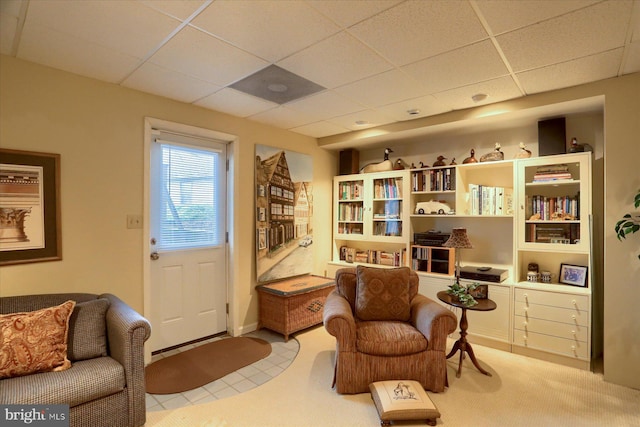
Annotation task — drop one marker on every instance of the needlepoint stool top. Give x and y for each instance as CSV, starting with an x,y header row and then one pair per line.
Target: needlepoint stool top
x,y
402,400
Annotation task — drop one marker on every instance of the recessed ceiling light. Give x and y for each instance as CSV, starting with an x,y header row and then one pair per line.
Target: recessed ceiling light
x,y
478,97
361,122
277,87
413,111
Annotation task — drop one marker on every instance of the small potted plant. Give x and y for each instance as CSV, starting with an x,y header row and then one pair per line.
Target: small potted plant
x,y
630,222
462,293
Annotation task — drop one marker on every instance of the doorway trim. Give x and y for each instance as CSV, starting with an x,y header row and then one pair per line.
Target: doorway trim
x,y
150,124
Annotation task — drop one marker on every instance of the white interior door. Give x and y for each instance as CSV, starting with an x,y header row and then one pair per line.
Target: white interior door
x,y
187,239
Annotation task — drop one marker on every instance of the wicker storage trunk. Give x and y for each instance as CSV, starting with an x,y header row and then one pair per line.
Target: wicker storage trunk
x,y
293,304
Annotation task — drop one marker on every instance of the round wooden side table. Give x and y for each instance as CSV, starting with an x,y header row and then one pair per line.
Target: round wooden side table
x,y
462,344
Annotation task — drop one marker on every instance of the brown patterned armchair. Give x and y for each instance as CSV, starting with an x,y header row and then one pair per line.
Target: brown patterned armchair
x,y
385,330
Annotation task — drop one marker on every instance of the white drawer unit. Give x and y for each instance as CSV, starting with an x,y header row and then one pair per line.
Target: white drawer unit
x,y
555,322
562,346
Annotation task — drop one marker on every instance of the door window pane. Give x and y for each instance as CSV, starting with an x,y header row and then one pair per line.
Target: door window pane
x,y
188,212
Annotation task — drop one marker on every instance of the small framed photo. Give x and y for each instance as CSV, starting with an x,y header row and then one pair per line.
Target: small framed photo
x,y
574,275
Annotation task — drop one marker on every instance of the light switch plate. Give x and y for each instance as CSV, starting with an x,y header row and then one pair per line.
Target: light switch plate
x,y
134,221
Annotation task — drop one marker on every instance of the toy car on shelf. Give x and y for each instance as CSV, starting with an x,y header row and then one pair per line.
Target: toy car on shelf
x,y
433,207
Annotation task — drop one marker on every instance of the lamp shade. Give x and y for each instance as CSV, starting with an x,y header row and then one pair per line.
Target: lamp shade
x,y
458,239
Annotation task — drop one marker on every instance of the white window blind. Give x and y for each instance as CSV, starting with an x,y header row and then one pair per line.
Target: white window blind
x,y
189,201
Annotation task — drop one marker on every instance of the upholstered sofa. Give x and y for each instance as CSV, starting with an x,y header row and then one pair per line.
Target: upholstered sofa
x,y
385,330
104,385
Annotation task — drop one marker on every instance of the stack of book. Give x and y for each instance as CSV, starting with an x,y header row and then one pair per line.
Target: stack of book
x,y
552,173
370,256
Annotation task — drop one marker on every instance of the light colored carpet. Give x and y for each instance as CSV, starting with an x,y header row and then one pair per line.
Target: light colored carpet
x,y
522,392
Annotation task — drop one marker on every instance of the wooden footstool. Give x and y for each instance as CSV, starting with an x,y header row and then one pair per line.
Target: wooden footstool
x,y
402,400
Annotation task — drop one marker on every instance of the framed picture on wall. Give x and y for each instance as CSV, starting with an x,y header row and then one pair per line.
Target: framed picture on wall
x,y
575,275
29,207
284,214
262,238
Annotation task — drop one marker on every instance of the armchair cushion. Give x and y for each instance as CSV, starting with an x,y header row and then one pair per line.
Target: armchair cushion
x,y
383,294
390,338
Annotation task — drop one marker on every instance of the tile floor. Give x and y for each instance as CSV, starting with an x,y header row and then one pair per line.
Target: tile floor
x,y
282,354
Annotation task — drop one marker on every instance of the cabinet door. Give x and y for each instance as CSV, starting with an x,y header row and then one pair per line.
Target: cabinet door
x,y
385,218
349,193
554,204
495,323
488,324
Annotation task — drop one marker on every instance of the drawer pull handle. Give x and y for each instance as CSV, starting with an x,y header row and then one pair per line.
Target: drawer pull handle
x,y
573,332
574,302
573,316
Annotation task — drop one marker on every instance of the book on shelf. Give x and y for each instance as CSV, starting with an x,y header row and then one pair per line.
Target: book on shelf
x,y
489,200
387,188
350,190
551,208
371,256
554,233
434,180
552,173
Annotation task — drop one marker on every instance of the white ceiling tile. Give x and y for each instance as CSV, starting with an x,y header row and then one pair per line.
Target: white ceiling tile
x,y
500,89
505,16
8,26
371,117
127,26
325,105
283,117
347,13
57,50
200,55
237,103
319,129
632,64
269,29
459,67
179,9
415,30
333,62
425,106
572,73
585,32
386,88
154,79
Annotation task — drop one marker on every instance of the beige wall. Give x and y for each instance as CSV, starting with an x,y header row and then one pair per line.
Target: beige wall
x,y
98,130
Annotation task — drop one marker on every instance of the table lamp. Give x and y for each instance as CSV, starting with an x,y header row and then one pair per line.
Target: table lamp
x,y
458,240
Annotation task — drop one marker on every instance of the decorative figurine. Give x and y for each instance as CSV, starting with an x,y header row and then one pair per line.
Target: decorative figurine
x,y
472,158
413,166
385,165
453,161
575,147
523,153
399,165
439,162
493,156
422,165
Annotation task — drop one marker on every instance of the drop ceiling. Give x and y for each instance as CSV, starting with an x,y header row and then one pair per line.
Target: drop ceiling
x,y
373,61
